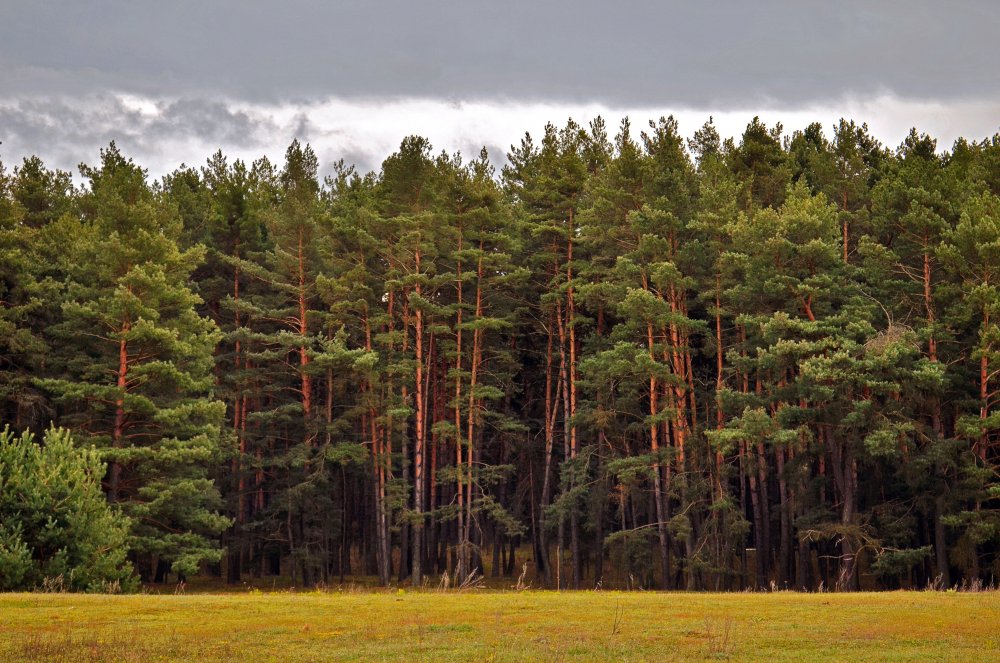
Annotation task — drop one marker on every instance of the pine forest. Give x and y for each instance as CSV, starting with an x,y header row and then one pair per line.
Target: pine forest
x,y
613,357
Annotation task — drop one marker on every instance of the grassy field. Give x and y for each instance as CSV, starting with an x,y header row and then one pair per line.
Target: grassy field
x,y
500,626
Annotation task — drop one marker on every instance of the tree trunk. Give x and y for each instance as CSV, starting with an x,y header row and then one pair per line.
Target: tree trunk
x,y
118,432
418,451
654,442
785,547
940,543
303,332
462,565
551,407
571,325
473,403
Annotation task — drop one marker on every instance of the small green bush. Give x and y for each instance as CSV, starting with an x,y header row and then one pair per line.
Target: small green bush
x,y
55,523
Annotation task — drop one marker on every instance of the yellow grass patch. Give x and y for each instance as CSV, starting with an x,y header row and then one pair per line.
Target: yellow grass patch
x,y
500,626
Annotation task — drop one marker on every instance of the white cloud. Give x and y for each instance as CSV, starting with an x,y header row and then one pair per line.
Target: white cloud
x,y
160,133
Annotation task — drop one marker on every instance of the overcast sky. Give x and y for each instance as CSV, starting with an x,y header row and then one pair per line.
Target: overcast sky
x,y
173,81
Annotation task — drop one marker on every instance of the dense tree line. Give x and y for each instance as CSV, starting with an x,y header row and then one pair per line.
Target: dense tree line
x,y
627,360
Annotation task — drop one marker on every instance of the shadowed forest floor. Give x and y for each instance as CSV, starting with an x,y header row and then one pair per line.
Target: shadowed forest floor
x,y
500,626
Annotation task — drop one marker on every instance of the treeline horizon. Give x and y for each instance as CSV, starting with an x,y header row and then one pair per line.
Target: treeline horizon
x,y
705,364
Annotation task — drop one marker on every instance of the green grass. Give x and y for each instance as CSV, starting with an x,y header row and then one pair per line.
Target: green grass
x,y
500,626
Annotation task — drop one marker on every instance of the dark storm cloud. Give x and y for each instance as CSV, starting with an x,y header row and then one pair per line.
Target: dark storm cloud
x,y
720,55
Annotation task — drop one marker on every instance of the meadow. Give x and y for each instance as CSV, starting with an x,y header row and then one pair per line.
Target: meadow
x,y
486,625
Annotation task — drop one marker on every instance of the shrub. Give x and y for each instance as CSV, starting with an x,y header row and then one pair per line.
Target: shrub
x,y
54,520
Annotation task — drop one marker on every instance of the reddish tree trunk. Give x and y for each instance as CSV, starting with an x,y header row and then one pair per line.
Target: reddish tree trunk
x,y
418,450
118,432
303,331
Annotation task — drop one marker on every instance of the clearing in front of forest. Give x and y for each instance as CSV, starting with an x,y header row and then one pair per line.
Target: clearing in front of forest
x,y
500,626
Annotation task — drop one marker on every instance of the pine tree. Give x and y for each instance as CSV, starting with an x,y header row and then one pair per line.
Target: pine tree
x,y
971,251
135,359
761,166
547,182
30,200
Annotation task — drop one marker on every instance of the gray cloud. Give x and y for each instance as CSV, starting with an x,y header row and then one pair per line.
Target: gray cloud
x,y
635,52
173,81
208,120
161,133
65,131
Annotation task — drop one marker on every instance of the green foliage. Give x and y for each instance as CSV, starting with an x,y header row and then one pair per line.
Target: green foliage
x,y
785,344
133,367
55,524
